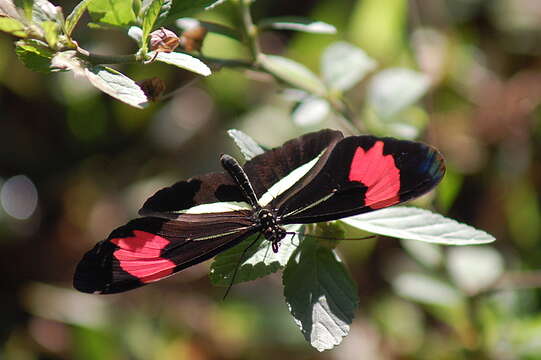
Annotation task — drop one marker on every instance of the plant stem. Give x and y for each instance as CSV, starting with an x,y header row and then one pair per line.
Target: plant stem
x,y
231,63
108,59
249,30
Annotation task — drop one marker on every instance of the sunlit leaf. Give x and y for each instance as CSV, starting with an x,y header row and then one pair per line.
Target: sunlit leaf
x,y
426,289
51,30
12,26
293,73
136,33
248,146
320,294
35,55
117,85
150,8
258,261
474,268
392,90
43,10
7,8
344,65
116,13
310,111
297,24
68,60
183,61
418,224
75,15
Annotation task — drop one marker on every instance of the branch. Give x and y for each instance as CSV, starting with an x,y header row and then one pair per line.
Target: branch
x,y
108,59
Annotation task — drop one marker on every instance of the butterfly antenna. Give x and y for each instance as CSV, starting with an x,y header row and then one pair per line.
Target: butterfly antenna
x,y
375,236
238,266
293,237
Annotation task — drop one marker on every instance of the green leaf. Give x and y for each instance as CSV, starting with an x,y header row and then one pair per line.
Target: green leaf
x,y
117,85
51,30
188,23
248,146
43,10
310,111
12,26
35,55
297,24
258,261
183,8
164,12
320,294
344,65
392,90
418,224
474,268
75,15
116,13
426,289
150,16
293,73
183,61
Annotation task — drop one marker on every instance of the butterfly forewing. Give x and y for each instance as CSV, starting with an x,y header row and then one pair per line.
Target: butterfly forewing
x,y
361,174
267,169
149,249
263,170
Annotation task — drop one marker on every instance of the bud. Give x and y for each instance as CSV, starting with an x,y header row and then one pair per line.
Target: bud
x,y
192,38
153,88
163,40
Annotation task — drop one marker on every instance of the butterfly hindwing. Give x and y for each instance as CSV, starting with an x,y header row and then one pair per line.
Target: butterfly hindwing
x,y
361,174
149,249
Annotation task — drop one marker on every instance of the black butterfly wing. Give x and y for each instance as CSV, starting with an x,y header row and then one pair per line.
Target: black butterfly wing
x,y
267,169
361,174
149,249
263,171
169,202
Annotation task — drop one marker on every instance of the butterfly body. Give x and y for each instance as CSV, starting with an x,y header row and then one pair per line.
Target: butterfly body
x,y
265,220
317,177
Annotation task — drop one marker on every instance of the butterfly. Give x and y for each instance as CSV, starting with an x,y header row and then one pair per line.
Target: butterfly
x,y
317,177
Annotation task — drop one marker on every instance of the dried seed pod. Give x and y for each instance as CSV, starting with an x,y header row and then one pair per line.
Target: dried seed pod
x,y
192,38
163,40
153,88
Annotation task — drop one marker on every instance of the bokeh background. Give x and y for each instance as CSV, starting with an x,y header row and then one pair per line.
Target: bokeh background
x,y
74,164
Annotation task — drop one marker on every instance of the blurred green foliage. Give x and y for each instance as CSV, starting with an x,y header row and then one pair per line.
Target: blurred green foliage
x,y
94,160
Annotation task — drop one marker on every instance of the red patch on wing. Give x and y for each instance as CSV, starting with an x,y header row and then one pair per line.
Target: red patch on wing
x,y
140,256
379,173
